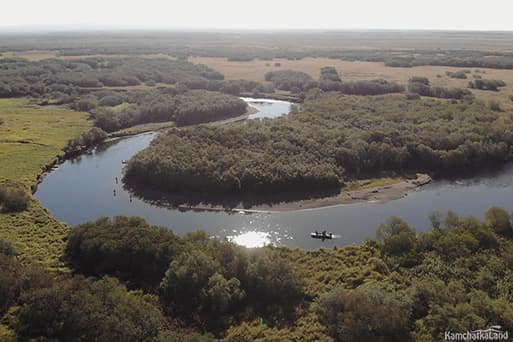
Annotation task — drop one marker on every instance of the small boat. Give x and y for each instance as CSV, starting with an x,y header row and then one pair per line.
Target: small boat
x,y
322,235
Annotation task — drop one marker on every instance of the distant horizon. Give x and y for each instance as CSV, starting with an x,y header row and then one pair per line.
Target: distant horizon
x,y
64,28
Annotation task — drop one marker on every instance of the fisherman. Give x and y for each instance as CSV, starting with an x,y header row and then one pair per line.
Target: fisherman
x,y
116,180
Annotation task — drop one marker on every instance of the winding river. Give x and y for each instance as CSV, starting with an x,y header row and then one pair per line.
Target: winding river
x,y
85,188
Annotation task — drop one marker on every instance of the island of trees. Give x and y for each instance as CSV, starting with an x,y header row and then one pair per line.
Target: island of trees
x,y
333,139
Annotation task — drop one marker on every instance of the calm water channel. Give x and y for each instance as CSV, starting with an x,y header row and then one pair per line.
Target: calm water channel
x,y
82,189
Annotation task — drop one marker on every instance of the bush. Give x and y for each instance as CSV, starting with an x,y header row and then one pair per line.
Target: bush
x,y
86,139
110,101
419,79
329,74
495,106
364,314
458,74
484,84
85,104
13,199
7,248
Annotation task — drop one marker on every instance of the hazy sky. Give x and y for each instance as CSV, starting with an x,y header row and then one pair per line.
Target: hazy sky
x,y
262,14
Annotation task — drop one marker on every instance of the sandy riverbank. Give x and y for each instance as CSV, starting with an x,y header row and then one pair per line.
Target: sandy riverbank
x,y
378,194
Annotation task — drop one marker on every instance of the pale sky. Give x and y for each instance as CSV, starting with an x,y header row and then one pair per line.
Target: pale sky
x,y
261,14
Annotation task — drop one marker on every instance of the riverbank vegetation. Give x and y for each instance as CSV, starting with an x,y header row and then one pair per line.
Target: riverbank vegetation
x,y
333,139
400,286
31,138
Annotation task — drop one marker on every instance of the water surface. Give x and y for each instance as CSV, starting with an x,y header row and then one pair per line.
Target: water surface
x,y
85,188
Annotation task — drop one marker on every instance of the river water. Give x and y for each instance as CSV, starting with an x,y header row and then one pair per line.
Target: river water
x,y
85,188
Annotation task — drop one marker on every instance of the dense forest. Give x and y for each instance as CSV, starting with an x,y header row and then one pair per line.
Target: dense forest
x,y
101,86
53,77
132,281
62,81
334,138
190,107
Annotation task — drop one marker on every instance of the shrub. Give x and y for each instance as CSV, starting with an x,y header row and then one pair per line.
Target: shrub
x,y
7,248
110,100
364,314
484,84
495,106
85,140
458,74
419,79
329,73
85,104
13,199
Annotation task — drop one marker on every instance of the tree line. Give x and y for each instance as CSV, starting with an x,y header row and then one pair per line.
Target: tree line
x,y
330,80
421,86
190,107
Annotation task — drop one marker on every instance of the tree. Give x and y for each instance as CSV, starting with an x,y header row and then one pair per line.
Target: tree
x,y
222,294
364,314
499,220
185,280
128,248
79,309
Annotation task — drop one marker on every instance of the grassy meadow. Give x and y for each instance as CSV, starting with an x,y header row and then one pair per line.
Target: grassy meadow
x,y
30,139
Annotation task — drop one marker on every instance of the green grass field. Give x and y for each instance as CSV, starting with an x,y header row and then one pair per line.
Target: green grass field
x,y
30,139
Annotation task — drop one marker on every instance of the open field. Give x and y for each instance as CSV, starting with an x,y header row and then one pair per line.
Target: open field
x,y
357,71
30,138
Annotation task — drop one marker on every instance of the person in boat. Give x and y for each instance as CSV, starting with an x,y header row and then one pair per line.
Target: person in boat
x,y
316,232
324,233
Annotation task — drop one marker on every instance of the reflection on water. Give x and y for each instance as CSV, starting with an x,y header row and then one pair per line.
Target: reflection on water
x,y
251,239
268,108
82,189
